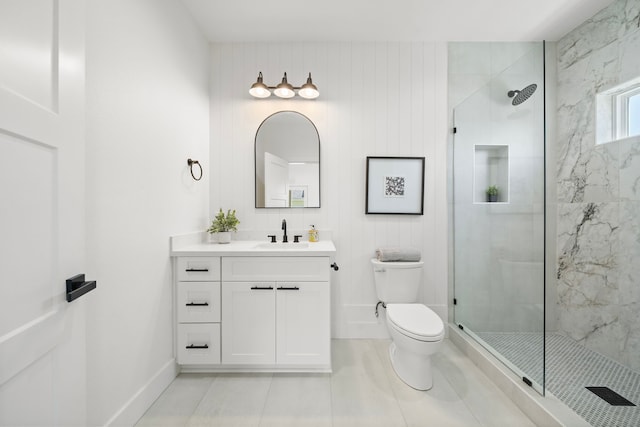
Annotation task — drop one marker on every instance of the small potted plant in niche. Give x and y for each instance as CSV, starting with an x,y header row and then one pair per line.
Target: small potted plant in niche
x,y
492,193
222,225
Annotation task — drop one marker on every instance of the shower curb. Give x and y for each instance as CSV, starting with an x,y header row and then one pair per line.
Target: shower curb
x,y
545,411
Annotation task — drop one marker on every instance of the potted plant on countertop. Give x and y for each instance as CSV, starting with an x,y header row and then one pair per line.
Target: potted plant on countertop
x,y
222,225
492,193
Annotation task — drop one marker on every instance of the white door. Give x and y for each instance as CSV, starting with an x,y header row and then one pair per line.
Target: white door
x,y
248,323
42,337
276,181
303,323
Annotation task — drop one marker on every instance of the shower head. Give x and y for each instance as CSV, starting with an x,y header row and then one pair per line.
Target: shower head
x,y
519,96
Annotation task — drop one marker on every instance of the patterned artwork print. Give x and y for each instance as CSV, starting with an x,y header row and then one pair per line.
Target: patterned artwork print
x,y
394,186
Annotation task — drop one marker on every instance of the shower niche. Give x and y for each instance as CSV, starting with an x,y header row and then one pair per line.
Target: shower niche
x,y
490,172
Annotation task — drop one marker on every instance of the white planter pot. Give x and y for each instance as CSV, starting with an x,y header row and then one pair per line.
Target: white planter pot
x,y
224,237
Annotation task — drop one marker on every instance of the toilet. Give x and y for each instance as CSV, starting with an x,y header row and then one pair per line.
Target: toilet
x,y
416,331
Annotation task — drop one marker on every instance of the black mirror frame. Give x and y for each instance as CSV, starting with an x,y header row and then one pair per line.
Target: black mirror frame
x,y
255,165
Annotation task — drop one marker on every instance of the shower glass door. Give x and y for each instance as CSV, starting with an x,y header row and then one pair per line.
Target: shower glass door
x,y
498,215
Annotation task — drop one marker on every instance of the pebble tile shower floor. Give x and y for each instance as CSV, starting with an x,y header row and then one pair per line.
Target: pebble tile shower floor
x,y
570,368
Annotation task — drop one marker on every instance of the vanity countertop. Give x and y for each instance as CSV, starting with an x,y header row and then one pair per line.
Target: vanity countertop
x,y
255,248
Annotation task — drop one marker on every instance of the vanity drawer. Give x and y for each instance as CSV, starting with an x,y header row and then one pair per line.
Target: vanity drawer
x,y
198,302
198,269
304,269
198,343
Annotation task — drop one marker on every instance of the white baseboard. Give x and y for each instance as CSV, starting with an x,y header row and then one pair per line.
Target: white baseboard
x,y
135,407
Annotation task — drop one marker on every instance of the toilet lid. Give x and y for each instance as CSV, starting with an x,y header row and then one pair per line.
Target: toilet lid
x,y
416,320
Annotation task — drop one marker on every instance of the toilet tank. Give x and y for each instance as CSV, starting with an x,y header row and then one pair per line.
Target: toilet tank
x,y
397,282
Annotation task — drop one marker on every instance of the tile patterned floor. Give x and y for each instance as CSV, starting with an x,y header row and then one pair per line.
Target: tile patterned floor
x,y
363,390
570,368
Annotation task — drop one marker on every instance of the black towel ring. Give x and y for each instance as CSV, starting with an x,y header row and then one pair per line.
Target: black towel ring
x,y
195,162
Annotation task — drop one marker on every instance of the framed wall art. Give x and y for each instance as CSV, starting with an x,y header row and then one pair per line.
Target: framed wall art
x,y
395,185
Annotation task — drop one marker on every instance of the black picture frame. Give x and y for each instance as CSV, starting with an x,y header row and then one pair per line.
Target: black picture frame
x,y
395,186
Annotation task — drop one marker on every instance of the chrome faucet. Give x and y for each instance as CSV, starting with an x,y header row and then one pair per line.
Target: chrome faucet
x,y
284,227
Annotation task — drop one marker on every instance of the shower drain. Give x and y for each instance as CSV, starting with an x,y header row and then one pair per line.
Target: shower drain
x,y
610,396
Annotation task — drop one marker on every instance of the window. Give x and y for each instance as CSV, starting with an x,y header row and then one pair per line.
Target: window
x,y
618,112
633,113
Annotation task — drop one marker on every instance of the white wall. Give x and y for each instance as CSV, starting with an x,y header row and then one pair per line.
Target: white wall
x,y
147,112
376,99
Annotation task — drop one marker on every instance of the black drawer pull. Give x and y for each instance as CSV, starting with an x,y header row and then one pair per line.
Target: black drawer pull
x,y
201,270
261,288
197,304
295,288
191,346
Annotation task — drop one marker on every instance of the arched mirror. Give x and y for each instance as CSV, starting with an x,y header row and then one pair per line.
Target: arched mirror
x,y
287,162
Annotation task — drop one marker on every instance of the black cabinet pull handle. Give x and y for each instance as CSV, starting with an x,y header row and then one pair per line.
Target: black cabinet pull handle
x,y
334,266
295,288
261,288
197,304
197,269
191,346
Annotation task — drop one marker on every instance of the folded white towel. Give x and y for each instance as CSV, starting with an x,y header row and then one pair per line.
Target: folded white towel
x,y
389,254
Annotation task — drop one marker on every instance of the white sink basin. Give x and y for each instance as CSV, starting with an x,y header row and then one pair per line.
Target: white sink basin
x,y
282,246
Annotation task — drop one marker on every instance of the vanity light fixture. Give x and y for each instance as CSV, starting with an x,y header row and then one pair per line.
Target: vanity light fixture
x,y
259,89
284,89
309,90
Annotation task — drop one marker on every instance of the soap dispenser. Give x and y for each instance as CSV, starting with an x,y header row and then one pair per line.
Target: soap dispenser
x,y
313,234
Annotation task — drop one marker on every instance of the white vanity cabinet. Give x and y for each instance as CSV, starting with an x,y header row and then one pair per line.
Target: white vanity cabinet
x,y
198,310
252,306
276,311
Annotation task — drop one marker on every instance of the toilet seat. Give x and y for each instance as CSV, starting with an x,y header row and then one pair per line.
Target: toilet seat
x,y
416,321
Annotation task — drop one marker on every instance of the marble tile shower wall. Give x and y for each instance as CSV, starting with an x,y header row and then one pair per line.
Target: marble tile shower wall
x,y
598,190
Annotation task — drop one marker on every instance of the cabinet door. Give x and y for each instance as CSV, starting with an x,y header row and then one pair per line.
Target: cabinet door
x,y
303,323
248,323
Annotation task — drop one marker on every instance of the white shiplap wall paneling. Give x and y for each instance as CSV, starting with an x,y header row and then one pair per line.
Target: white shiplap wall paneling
x,y
376,99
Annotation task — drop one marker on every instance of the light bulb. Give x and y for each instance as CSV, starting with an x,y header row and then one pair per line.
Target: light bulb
x,y
309,90
284,89
259,89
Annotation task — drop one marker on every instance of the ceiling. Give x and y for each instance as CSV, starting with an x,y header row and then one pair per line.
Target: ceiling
x,y
390,20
